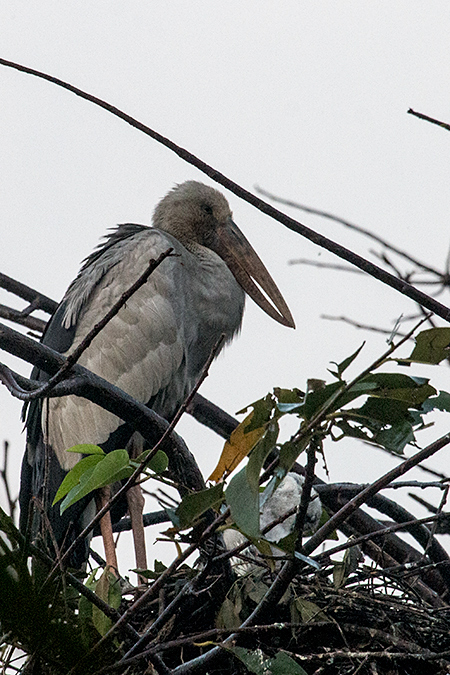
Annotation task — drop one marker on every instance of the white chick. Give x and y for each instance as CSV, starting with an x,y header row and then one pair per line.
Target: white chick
x,y
287,495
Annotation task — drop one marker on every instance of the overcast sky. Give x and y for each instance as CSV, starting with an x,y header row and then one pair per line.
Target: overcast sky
x,y
306,99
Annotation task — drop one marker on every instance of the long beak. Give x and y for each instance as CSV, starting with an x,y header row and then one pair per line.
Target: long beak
x,y
248,268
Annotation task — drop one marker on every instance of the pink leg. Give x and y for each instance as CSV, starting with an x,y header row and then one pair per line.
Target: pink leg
x,y
136,500
102,497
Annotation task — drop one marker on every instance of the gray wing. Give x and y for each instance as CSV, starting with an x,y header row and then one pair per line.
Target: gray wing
x,y
141,350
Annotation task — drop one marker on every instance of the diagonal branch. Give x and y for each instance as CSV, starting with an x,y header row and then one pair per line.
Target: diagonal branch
x,y
421,116
44,389
37,300
22,318
373,270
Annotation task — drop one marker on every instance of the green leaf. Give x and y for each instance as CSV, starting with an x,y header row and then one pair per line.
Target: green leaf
x,y
86,449
255,588
309,611
243,500
114,466
396,438
260,453
414,390
195,504
349,565
288,400
283,664
432,346
440,402
288,395
158,464
383,410
152,574
288,454
257,662
73,478
341,367
228,616
353,430
108,590
287,544
316,399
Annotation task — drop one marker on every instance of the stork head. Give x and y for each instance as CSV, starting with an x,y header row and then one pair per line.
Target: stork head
x,y
198,215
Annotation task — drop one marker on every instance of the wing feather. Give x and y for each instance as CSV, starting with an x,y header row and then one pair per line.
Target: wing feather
x,y
141,350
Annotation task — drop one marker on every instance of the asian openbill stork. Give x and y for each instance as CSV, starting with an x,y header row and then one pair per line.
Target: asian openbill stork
x,y
154,348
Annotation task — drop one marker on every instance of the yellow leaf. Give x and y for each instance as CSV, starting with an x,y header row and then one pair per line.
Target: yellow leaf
x,y
237,448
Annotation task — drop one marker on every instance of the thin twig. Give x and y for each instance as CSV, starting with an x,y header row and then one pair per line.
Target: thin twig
x,y
349,225
37,300
421,116
357,324
325,266
22,319
84,344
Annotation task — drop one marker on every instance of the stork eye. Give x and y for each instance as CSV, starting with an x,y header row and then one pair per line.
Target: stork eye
x,y
207,209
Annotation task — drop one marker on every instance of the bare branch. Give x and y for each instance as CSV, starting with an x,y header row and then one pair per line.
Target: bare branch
x,y
349,225
37,300
22,318
356,324
421,116
325,266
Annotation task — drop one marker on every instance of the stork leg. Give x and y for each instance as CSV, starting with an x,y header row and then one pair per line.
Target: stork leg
x,y
102,497
136,501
